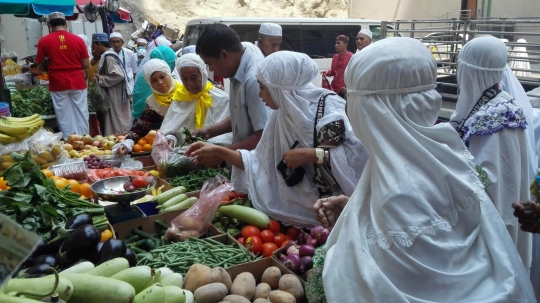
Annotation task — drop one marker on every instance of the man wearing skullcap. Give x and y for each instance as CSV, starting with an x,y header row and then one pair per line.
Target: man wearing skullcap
x,y
68,58
363,39
127,57
141,42
339,63
269,38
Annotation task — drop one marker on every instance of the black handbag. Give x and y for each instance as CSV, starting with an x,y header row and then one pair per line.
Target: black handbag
x,y
291,176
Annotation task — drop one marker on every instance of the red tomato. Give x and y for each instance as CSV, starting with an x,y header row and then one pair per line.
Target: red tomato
x,y
139,182
250,231
242,241
274,227
267,236
256,245
284,243
268,249
292,232
279,238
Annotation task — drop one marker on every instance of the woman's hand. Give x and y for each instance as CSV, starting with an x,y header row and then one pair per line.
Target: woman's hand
x,y
297,157
201,132
528,214
170,142
96,78
329,209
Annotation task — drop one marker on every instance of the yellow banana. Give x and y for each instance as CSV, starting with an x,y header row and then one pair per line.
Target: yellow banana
x,y
23,136
7,139
30,123
6,158
23,119
14,130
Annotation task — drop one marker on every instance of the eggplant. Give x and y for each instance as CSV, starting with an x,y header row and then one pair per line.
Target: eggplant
x,y
131,257
36,271
78,220
94,255
112,248
42,248
80,242
45,259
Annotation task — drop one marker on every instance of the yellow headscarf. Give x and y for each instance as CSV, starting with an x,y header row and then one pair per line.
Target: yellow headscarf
x,y
155,65
203,99
165,100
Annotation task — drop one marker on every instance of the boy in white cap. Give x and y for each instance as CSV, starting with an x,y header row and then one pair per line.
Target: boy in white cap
x,y
68,58
363,39
128,58
269,38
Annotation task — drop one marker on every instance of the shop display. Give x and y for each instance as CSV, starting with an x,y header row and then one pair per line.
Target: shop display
x,y
16,129
82,146
27,102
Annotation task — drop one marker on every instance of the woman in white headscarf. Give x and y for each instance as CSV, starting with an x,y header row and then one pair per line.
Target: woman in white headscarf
x,y
295,122
493,126
192,104
160,41
419,226
522,61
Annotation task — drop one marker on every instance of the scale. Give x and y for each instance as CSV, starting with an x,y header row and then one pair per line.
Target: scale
x,y
117,213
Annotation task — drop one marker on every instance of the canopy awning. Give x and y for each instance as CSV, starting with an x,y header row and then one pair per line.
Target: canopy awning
x,y
37,7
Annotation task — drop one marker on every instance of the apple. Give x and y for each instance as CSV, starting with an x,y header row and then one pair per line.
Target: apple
x,y
78,145
96,143
68,147
87,139
73,137
98,138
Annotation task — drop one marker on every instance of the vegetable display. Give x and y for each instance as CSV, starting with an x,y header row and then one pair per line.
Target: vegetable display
x,y
180,256
27,102
95,175
195,179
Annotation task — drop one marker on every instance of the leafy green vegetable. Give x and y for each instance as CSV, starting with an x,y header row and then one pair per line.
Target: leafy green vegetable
x,y
195,179
27,102
35,202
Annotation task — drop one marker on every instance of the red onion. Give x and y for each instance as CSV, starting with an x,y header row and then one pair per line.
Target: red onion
x,y
292,262
306,250
315,231
293,250
302,237
323,236
306,263
312,241
282,258
289,244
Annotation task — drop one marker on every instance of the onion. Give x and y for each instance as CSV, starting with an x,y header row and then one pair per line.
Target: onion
x,y
306,250
312,241
315,231
289,244
323,236
302,237
306,263
282,258
293,250
292,262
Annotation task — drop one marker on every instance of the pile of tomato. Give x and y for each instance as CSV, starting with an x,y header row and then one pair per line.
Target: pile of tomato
x,y
265,242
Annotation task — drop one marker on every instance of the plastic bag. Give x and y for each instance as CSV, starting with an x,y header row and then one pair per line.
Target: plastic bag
x,y
195,221
95,175
160,149
97,98
178,165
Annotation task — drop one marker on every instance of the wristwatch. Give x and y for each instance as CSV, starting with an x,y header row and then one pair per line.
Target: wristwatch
x,y
319,152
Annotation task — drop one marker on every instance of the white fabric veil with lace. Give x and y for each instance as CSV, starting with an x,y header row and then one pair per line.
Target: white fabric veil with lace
x,y
419,226
297,100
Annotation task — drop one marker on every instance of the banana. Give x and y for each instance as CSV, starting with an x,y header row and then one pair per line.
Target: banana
x,y
48,156
14,130
7,139
23,136
22,119
11,123
6,158
6,165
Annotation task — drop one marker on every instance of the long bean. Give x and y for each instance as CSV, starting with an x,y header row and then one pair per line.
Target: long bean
x,y
181,255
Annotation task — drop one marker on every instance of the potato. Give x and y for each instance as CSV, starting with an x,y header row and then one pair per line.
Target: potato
x,y
244,285
262,290
210,293
236,299
271,277
292,285
279,296
261,301
200,275
225,278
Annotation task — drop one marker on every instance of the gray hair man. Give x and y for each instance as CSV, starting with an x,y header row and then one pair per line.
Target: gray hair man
x,y
269,40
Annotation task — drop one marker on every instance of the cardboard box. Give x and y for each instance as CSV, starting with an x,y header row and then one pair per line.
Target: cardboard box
x,y
171,33
275,256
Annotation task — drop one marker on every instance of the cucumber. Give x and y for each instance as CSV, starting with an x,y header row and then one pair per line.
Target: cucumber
x,y
40,285
109,268
9,299
174,294
175,279
153,294
173,201
163,197
247,215
78,268
140,277
182,205
94,289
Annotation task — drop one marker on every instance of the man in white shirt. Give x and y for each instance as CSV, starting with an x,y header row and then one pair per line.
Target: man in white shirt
x,y
127,57
269,40
363,39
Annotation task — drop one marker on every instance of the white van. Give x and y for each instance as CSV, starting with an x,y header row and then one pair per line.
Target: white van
x,y
313,36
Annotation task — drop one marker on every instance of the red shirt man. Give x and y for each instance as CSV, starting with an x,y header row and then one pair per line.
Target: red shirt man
x,y
68,57
339,64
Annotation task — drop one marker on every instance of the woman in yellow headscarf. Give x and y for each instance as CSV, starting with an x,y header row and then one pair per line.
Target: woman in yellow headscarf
x,y
192,104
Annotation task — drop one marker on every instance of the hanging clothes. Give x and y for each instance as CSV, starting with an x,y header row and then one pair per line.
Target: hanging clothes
x,y
419,226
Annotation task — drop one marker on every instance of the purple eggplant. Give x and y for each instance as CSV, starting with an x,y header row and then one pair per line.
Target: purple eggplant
x,y
112,248
45,259
42,248
93,256
131,257
80,242
78,220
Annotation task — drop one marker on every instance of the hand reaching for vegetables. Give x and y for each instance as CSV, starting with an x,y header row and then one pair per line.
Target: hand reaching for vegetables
x,y
528,214
205,153
328,209
201,132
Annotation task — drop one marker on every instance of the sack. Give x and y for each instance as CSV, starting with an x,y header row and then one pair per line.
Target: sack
x,y
98,98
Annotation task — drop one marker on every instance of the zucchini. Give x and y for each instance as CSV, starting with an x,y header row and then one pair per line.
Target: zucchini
x,y
9,299
174,279
173,201
140,277
162,272
78,268
154,293
180,206
109,268
93,289
41,285
247,215
174,294
165,196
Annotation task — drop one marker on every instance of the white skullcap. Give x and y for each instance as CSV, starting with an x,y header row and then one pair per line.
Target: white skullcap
x,y
270,29
190,49
116,35
142,40
366,32
522,41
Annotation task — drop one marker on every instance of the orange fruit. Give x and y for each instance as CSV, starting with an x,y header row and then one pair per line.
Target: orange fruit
x,y
150,140
61,183
142,142
137,148
147,147
47,173
74,186
85,190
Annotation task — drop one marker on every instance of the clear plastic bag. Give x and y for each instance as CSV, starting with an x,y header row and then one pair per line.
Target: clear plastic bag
x,y
160,149
171,162
195,221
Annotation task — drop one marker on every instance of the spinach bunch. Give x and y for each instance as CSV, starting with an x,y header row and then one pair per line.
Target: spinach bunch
x,y
37,100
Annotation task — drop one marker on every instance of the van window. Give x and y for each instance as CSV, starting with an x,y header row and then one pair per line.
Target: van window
x,y
291,35
192,34
319,41
376,30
